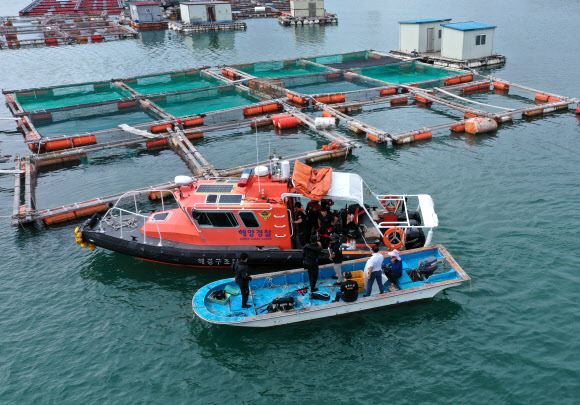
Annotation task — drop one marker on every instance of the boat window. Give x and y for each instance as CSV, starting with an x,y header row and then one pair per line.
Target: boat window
x,y
215,219
249,219
162,216
211,199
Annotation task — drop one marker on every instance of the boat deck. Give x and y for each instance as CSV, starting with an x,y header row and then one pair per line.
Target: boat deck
x,y
267,287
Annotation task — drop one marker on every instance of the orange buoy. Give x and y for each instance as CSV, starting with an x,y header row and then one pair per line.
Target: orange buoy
x,y
279,117
423,100
458,128
372,137
158,143
271,107
553,99
480,125
532,113
323,99
55,219
391,203
253,111
422,136
126,105
470,115
97,38
327,114
58,144
338,98
399,101
160,128
290,122
387,92
84,140
542,97
501,86
193,122
451,82
578,110
394,238
467,78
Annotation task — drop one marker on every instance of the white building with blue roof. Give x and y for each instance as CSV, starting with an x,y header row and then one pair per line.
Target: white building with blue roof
x,y
421,35
467,40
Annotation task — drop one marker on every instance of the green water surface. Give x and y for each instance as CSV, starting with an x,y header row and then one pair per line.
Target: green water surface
x,y
398,73
48,101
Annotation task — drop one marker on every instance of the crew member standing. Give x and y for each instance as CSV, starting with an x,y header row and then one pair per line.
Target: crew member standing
x,y
311,253
375,271
243,278
336,256
312,212
301,220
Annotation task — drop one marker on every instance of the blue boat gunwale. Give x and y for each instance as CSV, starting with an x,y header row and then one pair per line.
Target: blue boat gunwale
x,y
198,301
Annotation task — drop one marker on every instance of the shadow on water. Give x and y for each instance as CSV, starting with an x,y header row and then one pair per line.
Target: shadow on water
x,y
121,271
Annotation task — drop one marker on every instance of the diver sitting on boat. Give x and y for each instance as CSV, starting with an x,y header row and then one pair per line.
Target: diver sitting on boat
x,y
348,289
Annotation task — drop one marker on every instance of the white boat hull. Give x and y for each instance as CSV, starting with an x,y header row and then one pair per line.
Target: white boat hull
x,y
341,308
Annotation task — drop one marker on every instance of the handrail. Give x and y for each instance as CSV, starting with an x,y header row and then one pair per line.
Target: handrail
x,y
109,213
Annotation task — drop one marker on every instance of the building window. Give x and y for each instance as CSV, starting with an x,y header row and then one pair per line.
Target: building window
x,y
439,34
214,219
148,10
480,39
249,219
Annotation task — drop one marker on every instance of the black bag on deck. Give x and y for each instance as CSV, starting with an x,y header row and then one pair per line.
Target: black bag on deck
x,y
281,304
320,296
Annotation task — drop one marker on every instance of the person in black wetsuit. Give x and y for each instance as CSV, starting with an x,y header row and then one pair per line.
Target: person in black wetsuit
x,y
243,278
326,221
348,289
301,220
311,253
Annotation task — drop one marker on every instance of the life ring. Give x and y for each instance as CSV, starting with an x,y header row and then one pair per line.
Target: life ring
x,y
394,238
391,203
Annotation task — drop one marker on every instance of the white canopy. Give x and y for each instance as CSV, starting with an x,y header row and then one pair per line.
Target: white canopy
x,y
346,186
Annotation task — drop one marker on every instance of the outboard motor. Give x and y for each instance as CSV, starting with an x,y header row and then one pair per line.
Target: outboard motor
x,y
428,266
414,238
413,216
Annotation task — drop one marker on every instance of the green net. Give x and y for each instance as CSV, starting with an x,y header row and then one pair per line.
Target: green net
x,y
407,72
65,96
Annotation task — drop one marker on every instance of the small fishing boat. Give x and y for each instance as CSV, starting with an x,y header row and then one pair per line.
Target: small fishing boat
x,y
209,222
282,298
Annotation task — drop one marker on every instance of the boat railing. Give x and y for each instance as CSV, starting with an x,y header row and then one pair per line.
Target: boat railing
x,y
230,207
111,216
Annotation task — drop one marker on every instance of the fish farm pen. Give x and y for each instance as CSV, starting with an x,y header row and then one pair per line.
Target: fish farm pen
x,y
190,111
18,32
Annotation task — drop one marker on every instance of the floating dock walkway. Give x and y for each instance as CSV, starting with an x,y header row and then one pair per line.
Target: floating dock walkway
x,y
172,109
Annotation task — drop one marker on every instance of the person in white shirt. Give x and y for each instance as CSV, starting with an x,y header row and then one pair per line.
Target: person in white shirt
x,y
375,271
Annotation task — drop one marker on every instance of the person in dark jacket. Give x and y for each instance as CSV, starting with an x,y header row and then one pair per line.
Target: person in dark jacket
x,y
243,278
348,289
336,256
301,220
311,253
395,269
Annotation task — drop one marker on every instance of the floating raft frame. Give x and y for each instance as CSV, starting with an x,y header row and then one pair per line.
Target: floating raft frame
x,y
267,98
60,30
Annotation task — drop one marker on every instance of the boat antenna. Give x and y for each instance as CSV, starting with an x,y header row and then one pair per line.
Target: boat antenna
x,y
257,160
